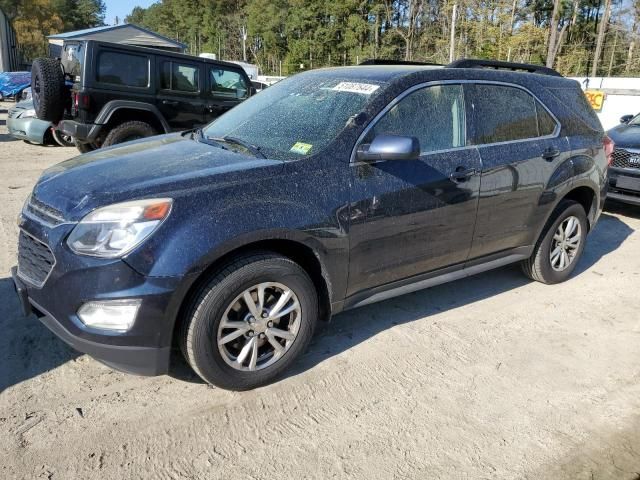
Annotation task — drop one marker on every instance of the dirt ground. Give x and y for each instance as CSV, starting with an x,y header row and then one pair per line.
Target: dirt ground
x,y
492,377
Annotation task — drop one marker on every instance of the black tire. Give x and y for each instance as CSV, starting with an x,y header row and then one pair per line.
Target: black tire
x,y
62,139
48,89
539,266
127,131
85,147
201,322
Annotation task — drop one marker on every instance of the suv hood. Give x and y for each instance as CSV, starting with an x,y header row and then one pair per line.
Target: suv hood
x,y
166,165
625,135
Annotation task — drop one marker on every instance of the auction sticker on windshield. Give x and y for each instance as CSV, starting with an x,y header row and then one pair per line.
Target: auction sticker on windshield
x,y
301,148
355,87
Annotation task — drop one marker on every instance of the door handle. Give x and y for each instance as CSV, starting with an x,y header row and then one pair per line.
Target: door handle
x,y
462,174
550,153
172,103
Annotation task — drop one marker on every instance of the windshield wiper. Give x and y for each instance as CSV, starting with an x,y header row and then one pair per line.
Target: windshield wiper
x,y
252,148
201,137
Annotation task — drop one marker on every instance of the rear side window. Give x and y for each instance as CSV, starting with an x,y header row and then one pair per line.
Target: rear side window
x,y
228,84
434,115
119,68
504,114
180,77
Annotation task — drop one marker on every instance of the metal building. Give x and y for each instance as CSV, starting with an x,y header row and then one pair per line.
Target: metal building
x,y
9,56
127,33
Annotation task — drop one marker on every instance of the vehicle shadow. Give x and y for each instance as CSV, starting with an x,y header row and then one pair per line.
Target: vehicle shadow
x,y
620,208
27,347
351,328
5,137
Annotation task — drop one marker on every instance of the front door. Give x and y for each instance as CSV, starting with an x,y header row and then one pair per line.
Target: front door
x,y
226,89
180,97
414,216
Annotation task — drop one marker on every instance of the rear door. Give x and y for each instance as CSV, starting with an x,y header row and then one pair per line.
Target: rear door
x,y
413,216
226,88
519,143
180,92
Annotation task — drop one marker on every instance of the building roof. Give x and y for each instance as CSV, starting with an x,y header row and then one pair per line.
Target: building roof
x,y
126,33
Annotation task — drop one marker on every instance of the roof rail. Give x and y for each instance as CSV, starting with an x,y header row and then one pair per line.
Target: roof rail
x,y
527,67
383,61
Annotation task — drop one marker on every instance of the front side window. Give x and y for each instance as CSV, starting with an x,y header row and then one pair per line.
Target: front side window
x,y
119,68
504,114
434,115
228,84
179,77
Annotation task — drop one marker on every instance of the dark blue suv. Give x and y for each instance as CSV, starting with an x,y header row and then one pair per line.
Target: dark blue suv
x,y
332,189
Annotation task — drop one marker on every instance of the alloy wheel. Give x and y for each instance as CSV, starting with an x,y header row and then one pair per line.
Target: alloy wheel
x,y
565,243
259,326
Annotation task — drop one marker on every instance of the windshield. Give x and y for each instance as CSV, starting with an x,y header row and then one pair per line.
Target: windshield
x,y
635,120
295,117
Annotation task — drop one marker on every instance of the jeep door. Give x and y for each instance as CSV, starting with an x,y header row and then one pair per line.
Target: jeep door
x,y
518,141
226,87
413,216
180,91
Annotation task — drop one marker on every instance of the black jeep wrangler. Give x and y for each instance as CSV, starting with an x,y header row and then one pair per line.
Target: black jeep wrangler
x,y
123,92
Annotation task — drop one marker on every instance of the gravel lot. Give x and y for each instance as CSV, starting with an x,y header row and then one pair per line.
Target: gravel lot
x,y
490,377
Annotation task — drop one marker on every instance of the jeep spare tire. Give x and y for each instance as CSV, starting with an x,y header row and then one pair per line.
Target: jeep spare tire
x,y
47,87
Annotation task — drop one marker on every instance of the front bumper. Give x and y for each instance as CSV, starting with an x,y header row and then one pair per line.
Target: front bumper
x,y
29,128
74,280
624,185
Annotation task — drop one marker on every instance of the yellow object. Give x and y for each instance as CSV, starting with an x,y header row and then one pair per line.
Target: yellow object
x,y
595,98
301,148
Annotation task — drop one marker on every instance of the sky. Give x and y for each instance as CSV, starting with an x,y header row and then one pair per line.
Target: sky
x,y
122,8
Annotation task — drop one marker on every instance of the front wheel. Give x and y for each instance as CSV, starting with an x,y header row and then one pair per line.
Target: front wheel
x,y
560,245
250,322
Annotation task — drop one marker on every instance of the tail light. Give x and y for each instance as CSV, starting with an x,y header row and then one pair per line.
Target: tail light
x,y
608,149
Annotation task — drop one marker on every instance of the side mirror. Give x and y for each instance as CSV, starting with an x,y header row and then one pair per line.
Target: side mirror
x,y
389,147
626,118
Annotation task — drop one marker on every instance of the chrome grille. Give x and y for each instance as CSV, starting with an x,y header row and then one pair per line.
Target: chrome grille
x,y
35,260
43,212
624,159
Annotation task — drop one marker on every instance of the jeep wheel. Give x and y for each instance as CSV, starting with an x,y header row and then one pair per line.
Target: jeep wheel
x,y
560,245
128,131
47,87
250,322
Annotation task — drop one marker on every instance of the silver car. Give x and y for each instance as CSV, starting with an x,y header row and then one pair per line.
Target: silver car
x,y
22,123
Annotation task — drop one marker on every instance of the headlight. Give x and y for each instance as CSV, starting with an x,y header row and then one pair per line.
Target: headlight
x,y
113,231
28,113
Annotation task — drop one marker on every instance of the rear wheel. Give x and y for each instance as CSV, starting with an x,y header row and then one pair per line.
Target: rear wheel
x,y
250,322
48,89
128,131
62,139
560,245
85,147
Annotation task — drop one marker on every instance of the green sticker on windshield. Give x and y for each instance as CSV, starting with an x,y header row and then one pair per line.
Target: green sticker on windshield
x,y
301,148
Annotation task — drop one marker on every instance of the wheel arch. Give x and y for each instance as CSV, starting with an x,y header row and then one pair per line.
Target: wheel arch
x,y
301,253
116,112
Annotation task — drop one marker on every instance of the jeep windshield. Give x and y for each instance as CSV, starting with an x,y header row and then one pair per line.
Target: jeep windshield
x,y
294,118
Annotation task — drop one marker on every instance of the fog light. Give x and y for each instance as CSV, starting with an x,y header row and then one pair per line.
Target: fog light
x,y
114,315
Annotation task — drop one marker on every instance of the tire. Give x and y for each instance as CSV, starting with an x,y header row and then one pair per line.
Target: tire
x,y
48,89
541,266
85,147
128,131
62,139
201,328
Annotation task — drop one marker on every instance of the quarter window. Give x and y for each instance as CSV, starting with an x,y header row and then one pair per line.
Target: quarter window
x,y
180,77
228,84
119,68
434,115
505,114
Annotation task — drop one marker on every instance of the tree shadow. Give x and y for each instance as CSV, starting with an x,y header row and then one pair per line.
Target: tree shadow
x,y
28,348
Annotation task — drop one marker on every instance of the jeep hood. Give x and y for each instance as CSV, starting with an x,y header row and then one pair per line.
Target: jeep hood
x,y
167,165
